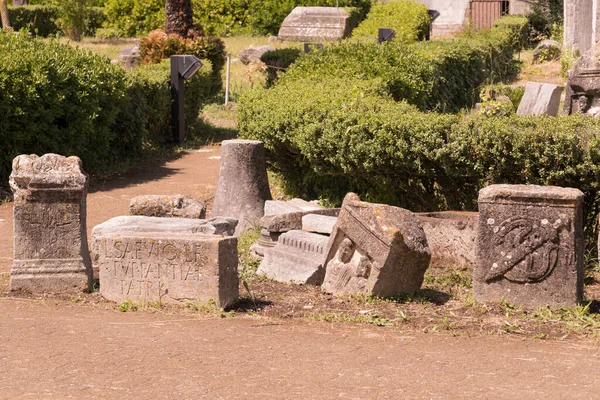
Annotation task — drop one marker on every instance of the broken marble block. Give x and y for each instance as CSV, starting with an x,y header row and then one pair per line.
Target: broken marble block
x,y
318,223
306,24
274,225
50,243
530,247
297,258
375,249
275,207
177,205
451,236
173,260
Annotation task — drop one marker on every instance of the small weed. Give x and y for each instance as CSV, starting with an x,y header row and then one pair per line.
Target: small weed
x,y
370,318
157,304
446,323
542,336
248,262
127,305
209,307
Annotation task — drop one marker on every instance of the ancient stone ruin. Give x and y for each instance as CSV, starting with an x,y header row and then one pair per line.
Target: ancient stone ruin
x,y
530,245
308,24
243,185
451,237
375,249
167,206
540,99
172,260
583,86
50,243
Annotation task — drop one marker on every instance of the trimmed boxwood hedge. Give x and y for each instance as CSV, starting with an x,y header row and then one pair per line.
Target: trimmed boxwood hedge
x,y
39,20
60,99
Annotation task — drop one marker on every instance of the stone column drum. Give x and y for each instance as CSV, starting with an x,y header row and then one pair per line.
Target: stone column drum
x,y
530,245
243,185
50,242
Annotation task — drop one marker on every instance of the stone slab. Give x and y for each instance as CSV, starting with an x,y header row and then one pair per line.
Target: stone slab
x,y
253,54
530,248
540,98
318,223
177,206
50,243
451,237
275,207
297,258
293,220
375,249
306,24
147,259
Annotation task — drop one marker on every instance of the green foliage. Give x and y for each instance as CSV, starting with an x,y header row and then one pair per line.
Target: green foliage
x,y
60,99
545,19
407,18
442,75
248,262
135,17
43,20
158,46
279,61
224,17
72,17
107,34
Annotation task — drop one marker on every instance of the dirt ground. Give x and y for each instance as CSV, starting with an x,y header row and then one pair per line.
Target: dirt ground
x,y
283,342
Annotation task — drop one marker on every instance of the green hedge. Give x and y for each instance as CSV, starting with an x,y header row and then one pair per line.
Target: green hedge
x,y
441,75
350,118
56,98
217,17
40,19
343,135
409,19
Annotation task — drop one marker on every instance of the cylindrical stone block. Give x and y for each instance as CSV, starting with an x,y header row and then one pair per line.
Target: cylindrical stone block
x,y
243,185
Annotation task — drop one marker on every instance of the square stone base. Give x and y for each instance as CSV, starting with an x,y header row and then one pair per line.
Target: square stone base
x,y
50,276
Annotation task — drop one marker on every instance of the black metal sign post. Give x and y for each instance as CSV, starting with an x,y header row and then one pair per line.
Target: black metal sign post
x,y
182,67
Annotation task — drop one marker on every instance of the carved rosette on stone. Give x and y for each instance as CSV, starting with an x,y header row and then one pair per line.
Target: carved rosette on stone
x,y
375,249
173,260
50,242
530,245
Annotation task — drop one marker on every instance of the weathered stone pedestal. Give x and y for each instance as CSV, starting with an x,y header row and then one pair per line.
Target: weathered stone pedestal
x,y
530,245
243,185
375,249
51,252
167,206
173,260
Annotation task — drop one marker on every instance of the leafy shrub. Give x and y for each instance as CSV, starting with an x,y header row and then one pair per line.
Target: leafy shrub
x,y
442,75
41,20
135,17
223,17
108,34
56,98
279,61
158,46
343,135
407,18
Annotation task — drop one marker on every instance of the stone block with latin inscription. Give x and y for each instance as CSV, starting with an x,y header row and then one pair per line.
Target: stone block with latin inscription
x,y
50,243
530,245
375,249
145,259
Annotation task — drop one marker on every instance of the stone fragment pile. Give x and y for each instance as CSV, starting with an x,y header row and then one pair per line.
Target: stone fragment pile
x,y
525,245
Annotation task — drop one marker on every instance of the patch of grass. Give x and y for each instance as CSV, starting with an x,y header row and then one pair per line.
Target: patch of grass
x,y
248,264
210,307
370,318
127,305
108,48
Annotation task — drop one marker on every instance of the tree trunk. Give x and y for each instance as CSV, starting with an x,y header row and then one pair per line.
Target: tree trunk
x,y
4,15
180,17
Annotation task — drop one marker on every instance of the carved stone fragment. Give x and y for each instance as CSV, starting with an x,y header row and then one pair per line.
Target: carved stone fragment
x,y
306,24
451,236
145,259
530,245
50,243
167,206
297,258
375,249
